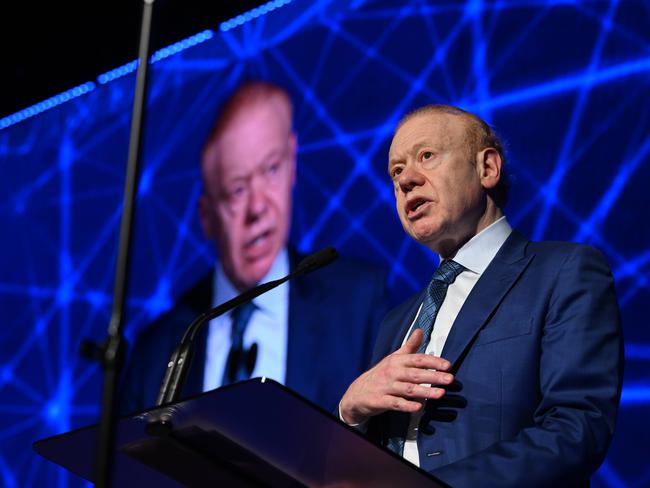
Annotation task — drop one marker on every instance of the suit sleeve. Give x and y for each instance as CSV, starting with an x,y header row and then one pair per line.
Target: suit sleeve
x,y
580,376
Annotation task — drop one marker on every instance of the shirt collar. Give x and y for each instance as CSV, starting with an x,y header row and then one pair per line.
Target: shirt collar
x,y
478,252
270,301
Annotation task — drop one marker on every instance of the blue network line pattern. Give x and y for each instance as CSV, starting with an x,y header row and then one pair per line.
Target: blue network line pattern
x,y
572,108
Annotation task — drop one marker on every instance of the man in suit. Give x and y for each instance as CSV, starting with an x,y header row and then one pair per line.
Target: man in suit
x,y
298,333
507,369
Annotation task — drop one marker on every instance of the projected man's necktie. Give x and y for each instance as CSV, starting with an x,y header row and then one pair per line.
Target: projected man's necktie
x,y
240,362
444,276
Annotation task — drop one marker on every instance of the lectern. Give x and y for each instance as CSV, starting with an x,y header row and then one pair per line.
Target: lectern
x,y
256,433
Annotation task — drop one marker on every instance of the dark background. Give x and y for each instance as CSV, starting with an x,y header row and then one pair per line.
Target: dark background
x,y
50,47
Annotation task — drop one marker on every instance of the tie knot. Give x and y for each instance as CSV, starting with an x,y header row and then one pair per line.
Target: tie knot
x,y
448,271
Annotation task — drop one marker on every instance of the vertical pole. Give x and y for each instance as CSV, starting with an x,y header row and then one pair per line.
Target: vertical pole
x,y
113,351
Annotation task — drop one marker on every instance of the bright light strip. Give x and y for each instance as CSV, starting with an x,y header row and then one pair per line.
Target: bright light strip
x,y
252,14
163,53
51,102
116,73
182,45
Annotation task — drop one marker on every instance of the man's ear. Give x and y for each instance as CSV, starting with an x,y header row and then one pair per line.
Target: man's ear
x,y
489,164
206,216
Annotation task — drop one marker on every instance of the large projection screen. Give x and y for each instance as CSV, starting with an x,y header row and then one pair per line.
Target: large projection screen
x,y
565,83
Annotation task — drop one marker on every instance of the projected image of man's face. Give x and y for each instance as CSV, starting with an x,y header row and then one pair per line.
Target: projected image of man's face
x,y
249,177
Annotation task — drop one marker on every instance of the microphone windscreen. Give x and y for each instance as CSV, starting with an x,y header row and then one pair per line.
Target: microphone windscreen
x,y
318,259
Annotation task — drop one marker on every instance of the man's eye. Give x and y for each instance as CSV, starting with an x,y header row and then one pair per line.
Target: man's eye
x,y
395,172
237,191
426,155
272,169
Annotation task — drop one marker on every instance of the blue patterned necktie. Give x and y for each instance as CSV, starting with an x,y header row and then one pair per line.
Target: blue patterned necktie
x,y
238,365
444,276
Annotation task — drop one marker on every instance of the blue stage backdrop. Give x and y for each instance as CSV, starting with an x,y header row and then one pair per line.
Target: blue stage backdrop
x,y
566,83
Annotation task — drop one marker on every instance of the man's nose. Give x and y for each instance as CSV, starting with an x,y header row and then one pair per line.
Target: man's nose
x,y
409,178
257,201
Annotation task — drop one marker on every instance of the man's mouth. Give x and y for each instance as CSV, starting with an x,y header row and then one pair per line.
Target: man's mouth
x,y
258,245
416,206
258,240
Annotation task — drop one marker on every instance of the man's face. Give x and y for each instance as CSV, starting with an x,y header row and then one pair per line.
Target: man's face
x,y
437,181
248,177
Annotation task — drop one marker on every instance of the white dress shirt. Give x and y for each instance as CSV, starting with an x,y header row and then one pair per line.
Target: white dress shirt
x,y
268,327
475,256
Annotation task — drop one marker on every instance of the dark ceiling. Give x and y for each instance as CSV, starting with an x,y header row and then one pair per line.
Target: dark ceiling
x,y
50,47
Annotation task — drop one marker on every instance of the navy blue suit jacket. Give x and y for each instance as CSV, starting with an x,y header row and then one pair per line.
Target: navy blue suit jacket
x,y
537,356
334,314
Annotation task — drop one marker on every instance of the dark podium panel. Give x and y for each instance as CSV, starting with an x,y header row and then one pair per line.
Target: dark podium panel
x,y
250,434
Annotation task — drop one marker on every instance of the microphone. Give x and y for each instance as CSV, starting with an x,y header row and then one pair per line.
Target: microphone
x,y
179,362
317,260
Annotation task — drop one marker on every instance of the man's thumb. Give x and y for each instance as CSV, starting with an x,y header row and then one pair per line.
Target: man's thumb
x,y
413,343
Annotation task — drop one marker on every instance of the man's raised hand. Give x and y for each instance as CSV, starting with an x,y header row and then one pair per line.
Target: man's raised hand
x,y
396,383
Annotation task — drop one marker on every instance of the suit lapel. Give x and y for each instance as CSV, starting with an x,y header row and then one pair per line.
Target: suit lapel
x,y
487,294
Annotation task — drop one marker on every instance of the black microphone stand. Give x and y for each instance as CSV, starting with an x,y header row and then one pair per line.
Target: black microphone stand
x,y
111,353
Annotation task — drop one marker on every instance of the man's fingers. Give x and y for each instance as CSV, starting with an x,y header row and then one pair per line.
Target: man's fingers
x,y
413,343
426,361
419,376
401,404
411,390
